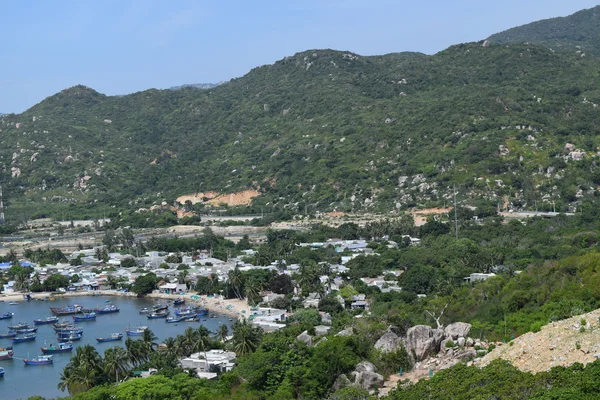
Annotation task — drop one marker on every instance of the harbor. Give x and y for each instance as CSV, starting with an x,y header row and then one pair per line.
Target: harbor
x,y
18,376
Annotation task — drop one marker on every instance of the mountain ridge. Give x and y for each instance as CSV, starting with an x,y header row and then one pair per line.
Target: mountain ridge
x,y
577,32
325,130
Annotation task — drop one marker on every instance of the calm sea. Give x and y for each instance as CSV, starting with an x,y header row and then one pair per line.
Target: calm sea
x,y
21,381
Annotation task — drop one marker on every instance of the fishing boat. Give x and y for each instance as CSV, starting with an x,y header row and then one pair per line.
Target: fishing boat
x,y
19,325
110,308
1,372
8,334
39,360
62,324
179,302
14,303
6,353
172,320
68,310
45,321
156,315
144,310
160,307
7,315
67,331
28,337
139,331
85,317
201,311
71,337
191,319
29,329
112,338
61,348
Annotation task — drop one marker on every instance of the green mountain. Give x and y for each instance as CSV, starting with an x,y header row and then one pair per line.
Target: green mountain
x,y
579,32
322,130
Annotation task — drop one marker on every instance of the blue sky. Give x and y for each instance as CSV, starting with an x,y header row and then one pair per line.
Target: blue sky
x,y
124,46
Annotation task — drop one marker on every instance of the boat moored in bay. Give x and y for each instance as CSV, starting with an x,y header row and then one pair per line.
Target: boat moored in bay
x,y
111,308
39,360
61,348
112,338
6,353
7,315
45,321
85,317
28,337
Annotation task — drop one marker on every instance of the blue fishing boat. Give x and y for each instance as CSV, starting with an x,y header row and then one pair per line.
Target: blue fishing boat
x,y
112,338
179,302
172,320
7,315
201,311
45,321
8,334
158,315
139,331
1,372
145,310
29,329
28,337
85,317
111,308
39,360
61,348
71,337
66,332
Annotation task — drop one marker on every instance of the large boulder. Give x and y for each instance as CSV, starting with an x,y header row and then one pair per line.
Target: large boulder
x,y
342,381
388,342
346,332
423,341
458,329
366,377
305,338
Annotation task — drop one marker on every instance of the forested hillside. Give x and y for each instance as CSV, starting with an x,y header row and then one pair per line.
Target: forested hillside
x,y
514,126
576,33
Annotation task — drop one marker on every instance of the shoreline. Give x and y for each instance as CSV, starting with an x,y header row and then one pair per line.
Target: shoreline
x,y
233,308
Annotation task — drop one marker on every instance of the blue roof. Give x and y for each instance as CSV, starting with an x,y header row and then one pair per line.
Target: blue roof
x,y
7,265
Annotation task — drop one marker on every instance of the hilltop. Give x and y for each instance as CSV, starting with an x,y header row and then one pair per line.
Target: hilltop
x,y
323,130
575,33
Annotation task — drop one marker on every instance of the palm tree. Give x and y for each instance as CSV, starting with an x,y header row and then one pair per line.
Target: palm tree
x,y
222,333
21,280
202,339
187,341
136,351
236,281
85,377
170,347
86,355
246,338
115,363
251,291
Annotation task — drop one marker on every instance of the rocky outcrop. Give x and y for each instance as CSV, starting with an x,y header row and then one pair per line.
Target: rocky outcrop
x,y
366,377
458,330
422,341
388,342
346,332
304,337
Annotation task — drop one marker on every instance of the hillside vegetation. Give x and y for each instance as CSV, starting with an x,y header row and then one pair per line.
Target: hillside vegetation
x,y
577,32
515,125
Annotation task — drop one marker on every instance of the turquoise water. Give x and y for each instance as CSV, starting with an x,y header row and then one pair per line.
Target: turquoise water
x,y
21,381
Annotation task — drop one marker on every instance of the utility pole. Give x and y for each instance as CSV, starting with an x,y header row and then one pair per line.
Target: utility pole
x,y
455,213
1,207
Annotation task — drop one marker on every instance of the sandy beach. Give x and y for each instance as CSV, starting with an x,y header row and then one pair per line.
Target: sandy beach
x,y
234,308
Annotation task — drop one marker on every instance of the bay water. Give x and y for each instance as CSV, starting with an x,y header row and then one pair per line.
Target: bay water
x,y
22,381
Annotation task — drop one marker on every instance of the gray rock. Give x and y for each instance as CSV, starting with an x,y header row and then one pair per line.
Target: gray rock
x,y
461,341
305,338
346,332
469,342
465,354
458,329
388,342
366,377
422,341
342,381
